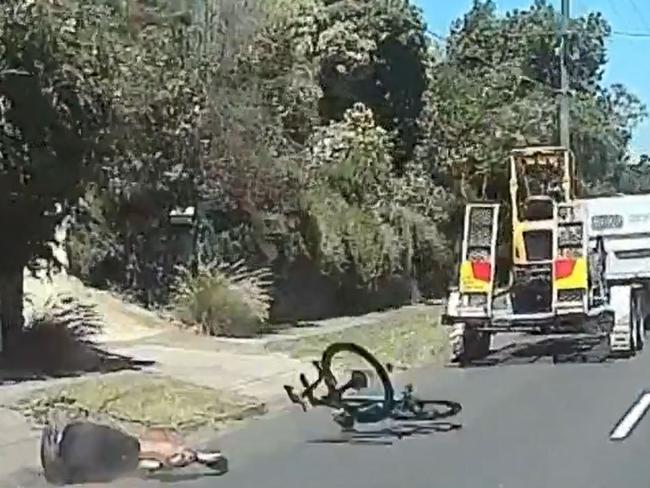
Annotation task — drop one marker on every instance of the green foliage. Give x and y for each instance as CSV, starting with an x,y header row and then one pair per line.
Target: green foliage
x,y
364,220
52,116
327,132
180,121
93,242
498,86
353,157
343,52
223,299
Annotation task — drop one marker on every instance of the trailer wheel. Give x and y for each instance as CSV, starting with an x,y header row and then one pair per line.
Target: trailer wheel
x,y
484,341
634,336
469,344
457,342
639,330
643,330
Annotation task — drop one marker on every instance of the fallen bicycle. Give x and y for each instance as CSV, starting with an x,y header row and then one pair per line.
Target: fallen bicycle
x,y
364,409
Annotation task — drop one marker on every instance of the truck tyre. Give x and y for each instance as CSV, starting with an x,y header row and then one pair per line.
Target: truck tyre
x,y
643,331
457,342
482,345
468,344
639,329
623,336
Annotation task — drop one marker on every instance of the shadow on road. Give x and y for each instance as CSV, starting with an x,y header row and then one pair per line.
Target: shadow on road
x,y
171,477
56,351
386,436
33,478
558,350
400,427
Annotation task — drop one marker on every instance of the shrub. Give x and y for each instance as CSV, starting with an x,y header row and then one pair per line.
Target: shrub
x,y
364,221
57,337
62,310
223,299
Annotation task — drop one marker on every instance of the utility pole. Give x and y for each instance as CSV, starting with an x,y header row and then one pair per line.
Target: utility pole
x,y
564,79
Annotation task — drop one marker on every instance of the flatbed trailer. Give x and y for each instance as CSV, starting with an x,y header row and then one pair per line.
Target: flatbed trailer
x,y
619,234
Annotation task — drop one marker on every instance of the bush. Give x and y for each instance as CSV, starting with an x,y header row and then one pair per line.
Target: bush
x,y
57,337
223,299
62,309
364,222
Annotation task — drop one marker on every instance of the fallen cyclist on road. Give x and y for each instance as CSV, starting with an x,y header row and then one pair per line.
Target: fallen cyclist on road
x,y
85,452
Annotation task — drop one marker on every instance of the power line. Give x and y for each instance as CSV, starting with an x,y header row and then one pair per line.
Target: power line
x,y
612,4
638,35
641,35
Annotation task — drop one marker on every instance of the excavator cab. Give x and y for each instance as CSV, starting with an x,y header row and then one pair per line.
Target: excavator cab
x,y
549,243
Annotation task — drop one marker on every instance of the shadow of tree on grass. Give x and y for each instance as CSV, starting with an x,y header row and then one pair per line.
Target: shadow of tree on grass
x,y
59,344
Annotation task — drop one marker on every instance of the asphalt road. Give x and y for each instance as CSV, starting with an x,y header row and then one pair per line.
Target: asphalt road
x,y
526,423
536,425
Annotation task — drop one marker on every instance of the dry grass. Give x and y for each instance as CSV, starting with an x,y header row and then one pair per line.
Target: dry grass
x,y
132,401
406,338
224,299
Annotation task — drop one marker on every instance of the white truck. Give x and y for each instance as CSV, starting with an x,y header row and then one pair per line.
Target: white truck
x,y
619,228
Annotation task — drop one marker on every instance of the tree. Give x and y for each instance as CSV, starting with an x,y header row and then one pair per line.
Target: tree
x,y
188,127
319,62
328,132
631,176
329,55
497,87
52,120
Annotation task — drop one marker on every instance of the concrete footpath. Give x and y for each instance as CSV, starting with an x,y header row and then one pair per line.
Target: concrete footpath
x,y
247,366
19,441
260,376
253,367
257,375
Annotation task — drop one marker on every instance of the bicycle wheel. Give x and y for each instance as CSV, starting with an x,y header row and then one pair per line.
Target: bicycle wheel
x,y
429,410
387,399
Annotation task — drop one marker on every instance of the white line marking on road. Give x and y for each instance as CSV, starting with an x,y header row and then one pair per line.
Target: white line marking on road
x,y
631,418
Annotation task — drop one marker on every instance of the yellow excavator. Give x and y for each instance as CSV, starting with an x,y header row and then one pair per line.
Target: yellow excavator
x,y
561,276
549,243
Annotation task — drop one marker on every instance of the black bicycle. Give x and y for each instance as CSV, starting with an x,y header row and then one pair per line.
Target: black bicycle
x,y
351,409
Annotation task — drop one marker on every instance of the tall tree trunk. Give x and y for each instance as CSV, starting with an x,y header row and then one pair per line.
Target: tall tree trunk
x,y
11,307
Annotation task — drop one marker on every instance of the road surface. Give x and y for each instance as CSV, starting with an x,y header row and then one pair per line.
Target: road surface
x,y
526,423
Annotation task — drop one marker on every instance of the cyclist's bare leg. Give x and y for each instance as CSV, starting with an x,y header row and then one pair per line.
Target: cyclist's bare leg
x,y
165,448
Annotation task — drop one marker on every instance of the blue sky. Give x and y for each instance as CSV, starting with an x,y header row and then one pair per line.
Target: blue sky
x,y
629,57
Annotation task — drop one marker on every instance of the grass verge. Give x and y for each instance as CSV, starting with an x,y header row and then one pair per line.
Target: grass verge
x,y
132,401
408,337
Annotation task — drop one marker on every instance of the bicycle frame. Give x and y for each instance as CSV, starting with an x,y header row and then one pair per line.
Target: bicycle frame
x,y
360,408
334,396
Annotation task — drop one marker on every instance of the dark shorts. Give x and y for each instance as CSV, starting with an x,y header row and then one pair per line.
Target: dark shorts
x,y
88,452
